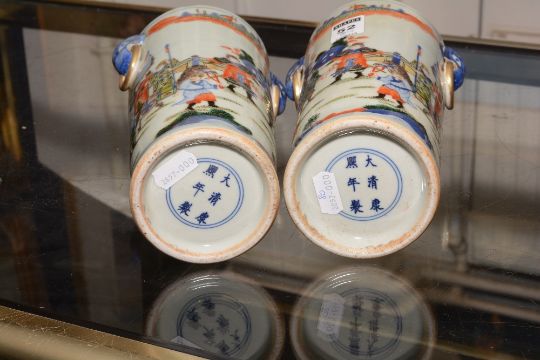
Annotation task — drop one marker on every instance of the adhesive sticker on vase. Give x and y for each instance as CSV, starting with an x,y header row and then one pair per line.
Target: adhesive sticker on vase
x,y
348,27
175,169
327,193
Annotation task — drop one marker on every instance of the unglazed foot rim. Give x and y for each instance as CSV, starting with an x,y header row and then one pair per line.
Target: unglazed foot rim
x,y
184,137
370,124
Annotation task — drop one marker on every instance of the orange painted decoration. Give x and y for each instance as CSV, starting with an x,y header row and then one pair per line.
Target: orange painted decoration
x,y
332,115
235,73
142,93
383,90
202,97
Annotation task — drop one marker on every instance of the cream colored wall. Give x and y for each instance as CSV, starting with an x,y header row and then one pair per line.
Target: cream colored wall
x,y
515,20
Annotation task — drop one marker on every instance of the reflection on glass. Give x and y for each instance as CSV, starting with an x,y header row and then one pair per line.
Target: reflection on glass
x,y
362,313
220,313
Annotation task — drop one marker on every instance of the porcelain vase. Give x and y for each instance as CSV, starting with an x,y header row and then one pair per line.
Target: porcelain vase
x,y
363,180
202,104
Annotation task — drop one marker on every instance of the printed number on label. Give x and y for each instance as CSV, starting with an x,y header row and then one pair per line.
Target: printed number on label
x,y
327,193
174,169
348,27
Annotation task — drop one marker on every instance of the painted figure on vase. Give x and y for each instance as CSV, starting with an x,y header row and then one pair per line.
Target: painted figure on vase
x,y
354,62
396,88
402,86
197,82
237,77
196,86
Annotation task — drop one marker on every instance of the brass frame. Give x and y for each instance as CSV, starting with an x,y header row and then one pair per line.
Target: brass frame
x,y
28,336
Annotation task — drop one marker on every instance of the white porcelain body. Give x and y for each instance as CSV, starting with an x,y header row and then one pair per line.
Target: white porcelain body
x,y
202,86
370,112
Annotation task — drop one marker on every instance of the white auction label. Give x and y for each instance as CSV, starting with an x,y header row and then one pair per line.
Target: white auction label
x,y
327,193
174,169
331,314
348,27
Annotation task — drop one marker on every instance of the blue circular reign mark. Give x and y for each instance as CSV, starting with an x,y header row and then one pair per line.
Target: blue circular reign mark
x,y
231,215
389,161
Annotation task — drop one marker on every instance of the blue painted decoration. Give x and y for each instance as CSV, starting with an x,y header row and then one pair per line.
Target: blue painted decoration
x,y
202,218
212,169
185,207
225,193
460,70
356,206
214,198
371,199
369,161
351,162
352,182
122,55
376,205
372,182
226,180
198,187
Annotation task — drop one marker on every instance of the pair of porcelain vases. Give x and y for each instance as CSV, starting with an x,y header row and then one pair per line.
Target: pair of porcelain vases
x,y
363,179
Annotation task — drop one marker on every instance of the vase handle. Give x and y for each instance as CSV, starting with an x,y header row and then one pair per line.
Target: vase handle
x,y
126,58
278,96
453,75
295,81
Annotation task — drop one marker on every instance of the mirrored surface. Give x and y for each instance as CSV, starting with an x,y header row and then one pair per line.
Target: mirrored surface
x,y
467,289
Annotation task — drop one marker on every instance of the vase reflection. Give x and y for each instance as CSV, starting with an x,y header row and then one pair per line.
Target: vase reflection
x,y
220,313
362,312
